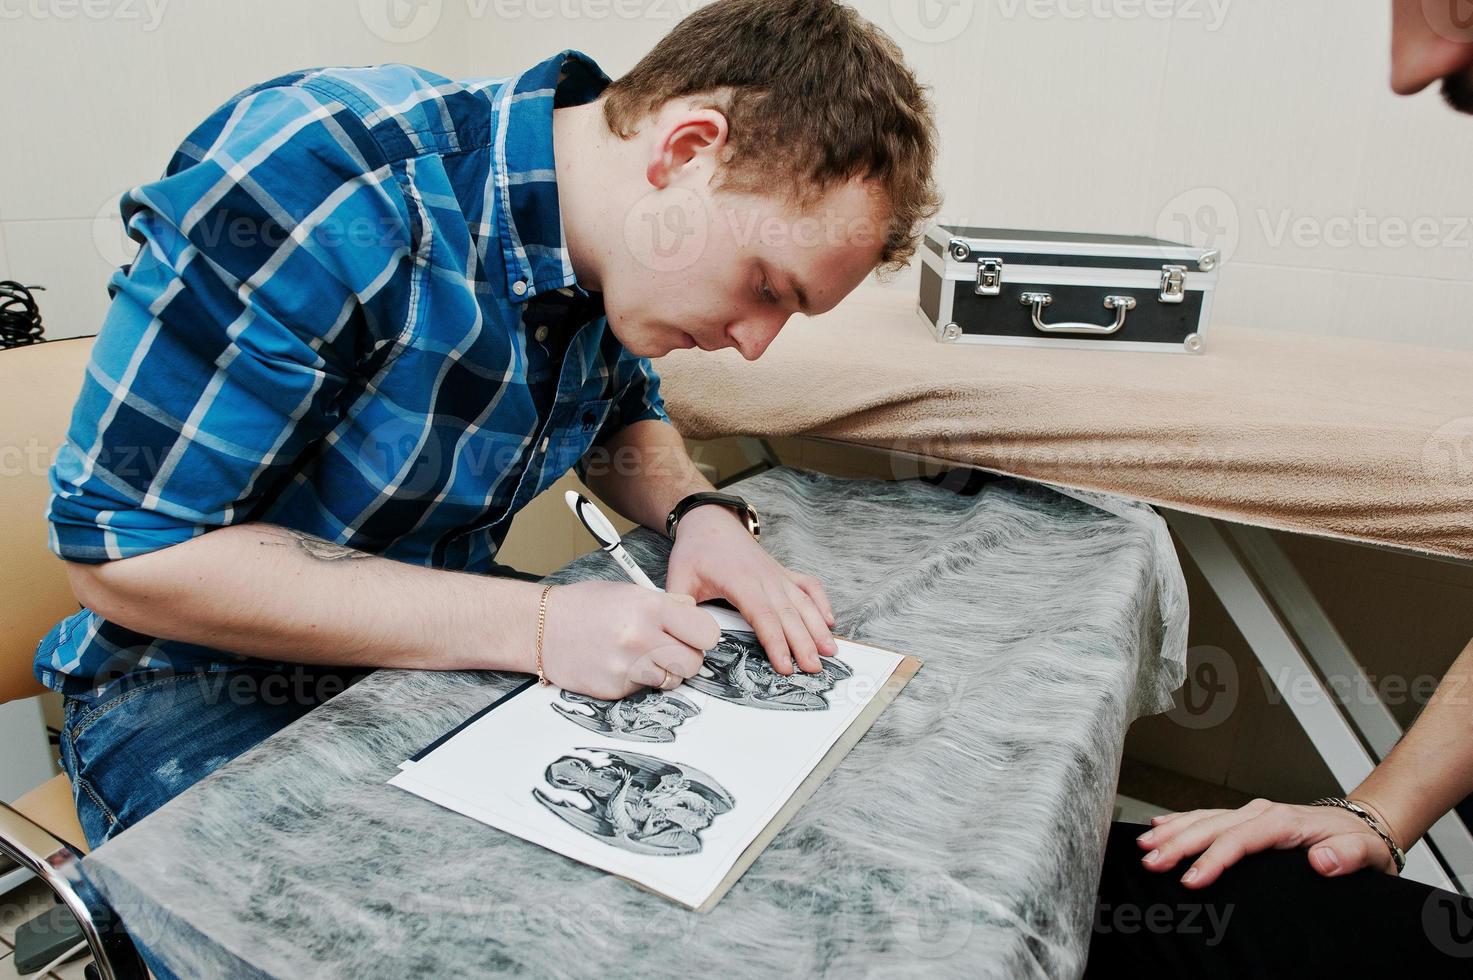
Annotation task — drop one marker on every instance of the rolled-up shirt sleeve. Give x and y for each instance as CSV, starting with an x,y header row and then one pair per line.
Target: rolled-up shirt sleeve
x,y
257,293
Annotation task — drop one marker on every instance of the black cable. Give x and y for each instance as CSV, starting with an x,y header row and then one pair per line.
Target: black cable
x,y
20,317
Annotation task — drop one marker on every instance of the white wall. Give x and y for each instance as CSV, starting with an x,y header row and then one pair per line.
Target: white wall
x,y
27,753
96,102
1262,128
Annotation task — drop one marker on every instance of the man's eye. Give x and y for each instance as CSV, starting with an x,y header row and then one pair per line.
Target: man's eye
x,y
765,291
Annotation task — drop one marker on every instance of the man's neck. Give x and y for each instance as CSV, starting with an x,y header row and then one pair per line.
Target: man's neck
x,y
587,155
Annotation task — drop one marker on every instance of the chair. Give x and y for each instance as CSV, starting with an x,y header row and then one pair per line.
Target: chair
x,y
40,831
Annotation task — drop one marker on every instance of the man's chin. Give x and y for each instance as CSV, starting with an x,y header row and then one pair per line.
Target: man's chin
x,y
649,347
1457,91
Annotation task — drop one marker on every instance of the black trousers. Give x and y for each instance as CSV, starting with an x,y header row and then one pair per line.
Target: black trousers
x,y
1272,915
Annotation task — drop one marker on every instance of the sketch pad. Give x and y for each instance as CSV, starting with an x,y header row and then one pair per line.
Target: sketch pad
x,y
678,791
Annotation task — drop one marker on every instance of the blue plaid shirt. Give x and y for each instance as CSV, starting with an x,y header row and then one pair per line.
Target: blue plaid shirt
x,y
352,314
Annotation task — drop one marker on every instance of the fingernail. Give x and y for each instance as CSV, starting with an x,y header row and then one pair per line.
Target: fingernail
x,y
1190,876
1146,837
1151,857
1330,859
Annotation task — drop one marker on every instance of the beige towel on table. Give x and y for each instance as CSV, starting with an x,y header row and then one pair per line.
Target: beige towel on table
x,y
1353,439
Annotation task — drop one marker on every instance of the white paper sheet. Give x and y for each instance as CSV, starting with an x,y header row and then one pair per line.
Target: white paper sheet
x,y
674,815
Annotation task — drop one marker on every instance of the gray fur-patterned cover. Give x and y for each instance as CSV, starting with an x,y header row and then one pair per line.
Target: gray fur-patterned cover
x,y
961,837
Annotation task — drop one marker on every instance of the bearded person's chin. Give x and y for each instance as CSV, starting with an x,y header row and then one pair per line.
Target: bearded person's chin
x,y
1457,91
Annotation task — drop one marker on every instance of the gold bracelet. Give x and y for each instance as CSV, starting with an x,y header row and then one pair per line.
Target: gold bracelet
x,y
541,628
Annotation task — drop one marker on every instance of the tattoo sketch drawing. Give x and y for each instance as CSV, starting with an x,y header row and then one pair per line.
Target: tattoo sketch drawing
x,y
738,670
648,716
635,802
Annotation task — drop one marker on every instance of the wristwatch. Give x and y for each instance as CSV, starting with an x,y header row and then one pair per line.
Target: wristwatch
x,y
742,509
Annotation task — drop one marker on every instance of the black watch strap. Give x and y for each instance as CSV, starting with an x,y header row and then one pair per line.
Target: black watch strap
x,y
744,510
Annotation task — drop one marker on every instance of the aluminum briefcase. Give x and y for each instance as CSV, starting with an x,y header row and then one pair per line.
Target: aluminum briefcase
x,y
1065,289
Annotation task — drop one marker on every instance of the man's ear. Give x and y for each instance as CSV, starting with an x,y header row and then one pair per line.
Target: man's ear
x,y
691,140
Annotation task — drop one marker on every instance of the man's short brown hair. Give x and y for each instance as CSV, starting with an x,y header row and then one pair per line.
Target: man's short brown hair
x,y
814,96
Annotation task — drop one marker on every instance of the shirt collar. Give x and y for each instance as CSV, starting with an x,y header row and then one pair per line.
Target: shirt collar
x,y
531,223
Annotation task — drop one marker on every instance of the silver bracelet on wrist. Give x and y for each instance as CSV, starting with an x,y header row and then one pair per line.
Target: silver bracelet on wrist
x,y
1398,856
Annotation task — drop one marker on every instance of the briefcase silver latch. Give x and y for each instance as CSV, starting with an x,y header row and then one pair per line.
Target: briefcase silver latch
x,y
989,277
1173,283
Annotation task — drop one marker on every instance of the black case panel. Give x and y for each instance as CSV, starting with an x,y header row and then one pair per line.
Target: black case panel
x,y
1005,315
931,286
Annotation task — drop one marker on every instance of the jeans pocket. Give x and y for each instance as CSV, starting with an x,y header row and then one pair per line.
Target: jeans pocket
x,y
96,817
90,712
110,747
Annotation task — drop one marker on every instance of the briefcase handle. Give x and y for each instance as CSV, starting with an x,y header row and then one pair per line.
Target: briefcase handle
x,y
1120,304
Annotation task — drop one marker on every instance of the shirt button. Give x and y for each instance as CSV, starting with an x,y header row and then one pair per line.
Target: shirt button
x,y
545,441
519,287
540,333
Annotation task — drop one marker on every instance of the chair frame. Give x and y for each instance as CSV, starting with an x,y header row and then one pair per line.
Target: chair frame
x,y
56,863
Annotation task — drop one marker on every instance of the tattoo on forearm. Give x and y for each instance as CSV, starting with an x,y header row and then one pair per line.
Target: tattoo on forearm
x,y
318,548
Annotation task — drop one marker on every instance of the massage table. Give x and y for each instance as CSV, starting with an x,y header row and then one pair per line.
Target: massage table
x,y
1355,440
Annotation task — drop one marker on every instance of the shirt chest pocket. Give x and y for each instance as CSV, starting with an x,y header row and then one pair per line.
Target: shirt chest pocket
x,y
568,443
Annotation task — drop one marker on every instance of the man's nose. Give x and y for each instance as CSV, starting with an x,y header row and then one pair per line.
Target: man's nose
x,y
753,335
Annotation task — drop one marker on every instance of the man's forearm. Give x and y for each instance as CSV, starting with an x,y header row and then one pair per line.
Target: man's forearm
x,y
644,472
265,591
1431,768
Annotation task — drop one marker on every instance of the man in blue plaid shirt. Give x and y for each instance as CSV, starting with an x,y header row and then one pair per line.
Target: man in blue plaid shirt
x,y
375,312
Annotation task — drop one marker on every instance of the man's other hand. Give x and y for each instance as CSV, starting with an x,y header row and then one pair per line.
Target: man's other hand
x,y
716,557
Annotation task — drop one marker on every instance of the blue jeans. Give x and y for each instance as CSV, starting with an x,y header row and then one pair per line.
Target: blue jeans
x,y
141,742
